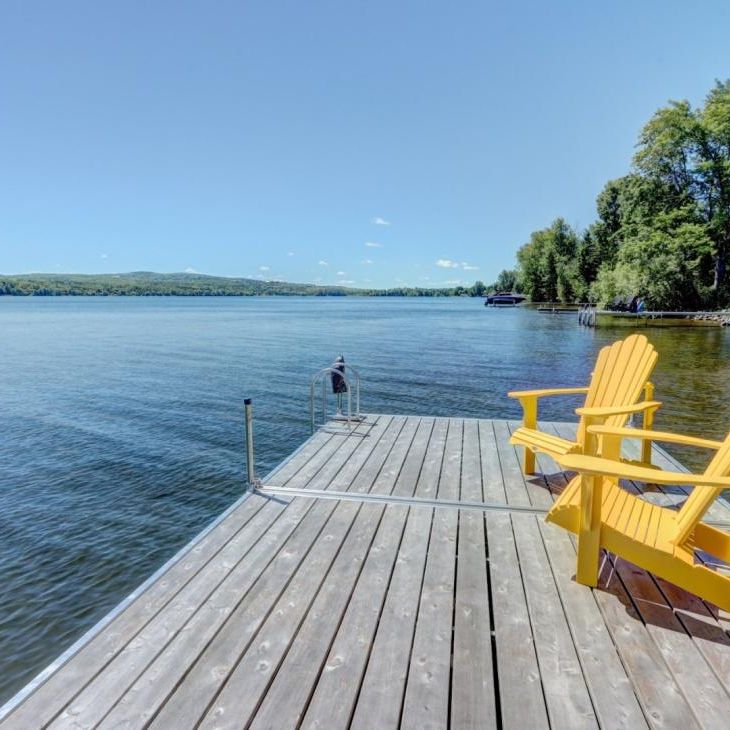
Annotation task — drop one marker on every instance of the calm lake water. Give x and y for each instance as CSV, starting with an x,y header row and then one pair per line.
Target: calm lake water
x,y
122,419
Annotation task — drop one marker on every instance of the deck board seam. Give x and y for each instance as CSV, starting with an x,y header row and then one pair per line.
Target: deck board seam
x,y
291,457
492,628
456,577
380,616
409,658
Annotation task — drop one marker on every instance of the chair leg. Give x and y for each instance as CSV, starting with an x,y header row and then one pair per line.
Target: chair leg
x,y
528,466
529,420
589,535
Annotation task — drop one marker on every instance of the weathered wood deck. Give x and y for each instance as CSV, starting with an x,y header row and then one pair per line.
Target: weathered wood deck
x,y
377,609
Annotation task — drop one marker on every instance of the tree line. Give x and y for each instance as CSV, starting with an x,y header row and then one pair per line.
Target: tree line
x,y
662,231
144,283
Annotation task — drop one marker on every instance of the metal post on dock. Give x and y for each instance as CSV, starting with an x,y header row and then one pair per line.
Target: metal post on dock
x,y
250,467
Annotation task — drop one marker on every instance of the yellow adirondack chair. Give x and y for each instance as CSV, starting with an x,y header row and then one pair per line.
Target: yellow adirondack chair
x,y
620,375
658,539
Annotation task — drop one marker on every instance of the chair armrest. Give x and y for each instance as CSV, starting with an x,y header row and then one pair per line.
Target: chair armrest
x,y
622,470
664,436
546,392
600,412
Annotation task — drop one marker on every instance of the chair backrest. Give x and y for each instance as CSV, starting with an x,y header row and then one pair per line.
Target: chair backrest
x,y
701,498
621,372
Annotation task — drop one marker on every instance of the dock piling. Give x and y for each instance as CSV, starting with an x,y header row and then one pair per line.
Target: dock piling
x,y
250,466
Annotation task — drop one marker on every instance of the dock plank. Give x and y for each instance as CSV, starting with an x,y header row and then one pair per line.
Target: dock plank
x,y
522,701
473,701
426,700
493,489
514,485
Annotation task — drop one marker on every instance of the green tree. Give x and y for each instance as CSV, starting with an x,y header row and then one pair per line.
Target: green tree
x,y
550,276
507,281
662,231
478,289
689,151
588,262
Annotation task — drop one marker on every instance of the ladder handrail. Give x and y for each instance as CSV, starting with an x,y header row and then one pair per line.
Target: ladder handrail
x,y
320,374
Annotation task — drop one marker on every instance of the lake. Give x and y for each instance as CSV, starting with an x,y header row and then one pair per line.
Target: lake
x,y
123,419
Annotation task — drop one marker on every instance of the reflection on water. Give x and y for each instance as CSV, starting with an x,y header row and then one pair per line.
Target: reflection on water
x,y
123,419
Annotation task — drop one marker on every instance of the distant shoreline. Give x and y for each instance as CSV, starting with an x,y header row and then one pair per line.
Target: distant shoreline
x,y
382,294
145,283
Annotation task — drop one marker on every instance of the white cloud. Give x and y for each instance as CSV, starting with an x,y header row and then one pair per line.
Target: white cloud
x,y
341,273
447,264
104,256
291,253
346,281
453,281
425,278
373,244
264,268
191,270
323,263
318,279
367,262
469,267
380,221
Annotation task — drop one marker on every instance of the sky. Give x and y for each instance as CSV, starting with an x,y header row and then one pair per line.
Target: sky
x,y
373,144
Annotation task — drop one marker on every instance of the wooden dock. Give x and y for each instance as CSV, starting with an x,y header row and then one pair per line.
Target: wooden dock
x,y
366,585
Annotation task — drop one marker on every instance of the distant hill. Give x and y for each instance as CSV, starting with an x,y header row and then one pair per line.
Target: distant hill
x,y
147,283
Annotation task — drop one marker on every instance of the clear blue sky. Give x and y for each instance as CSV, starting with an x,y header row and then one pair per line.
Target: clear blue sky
x,y
274,139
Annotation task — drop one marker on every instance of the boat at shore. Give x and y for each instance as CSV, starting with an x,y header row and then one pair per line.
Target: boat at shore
x,y
504,299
